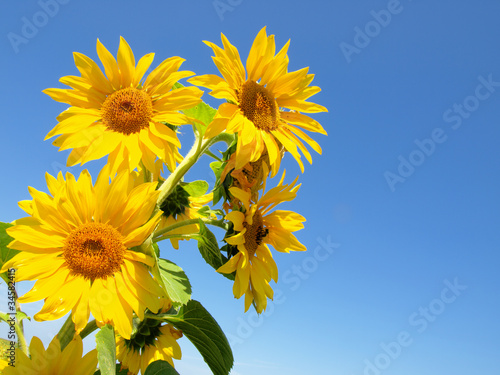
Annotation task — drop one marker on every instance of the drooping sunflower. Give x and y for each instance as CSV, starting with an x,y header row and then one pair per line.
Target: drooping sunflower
x,y
152,341
178,207
251,177
53,361
257,227
77,244
265,102
118,113
181,206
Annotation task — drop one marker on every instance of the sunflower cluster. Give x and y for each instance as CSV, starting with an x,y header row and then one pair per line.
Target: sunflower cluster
x,y
91,247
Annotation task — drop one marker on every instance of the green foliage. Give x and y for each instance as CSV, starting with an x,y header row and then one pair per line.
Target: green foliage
x,y
19,316
5,253
209,248
106,350
160,368
206,335
221,186
201,112
176,282
118,370
196,188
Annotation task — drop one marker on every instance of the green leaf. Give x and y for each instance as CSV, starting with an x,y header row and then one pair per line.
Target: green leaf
x,y
106,350
19,316
206,335
208,246
196,188
118,370
217,168
202,112
160,368
176,282
5,253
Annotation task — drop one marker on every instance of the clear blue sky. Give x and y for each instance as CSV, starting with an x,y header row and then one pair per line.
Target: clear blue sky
x,y
402,208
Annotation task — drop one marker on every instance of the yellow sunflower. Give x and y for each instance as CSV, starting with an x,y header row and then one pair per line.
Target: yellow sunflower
x,y
52,361
3,364
249,178
178,207
119,114
152,342
265,102
256,228
77,244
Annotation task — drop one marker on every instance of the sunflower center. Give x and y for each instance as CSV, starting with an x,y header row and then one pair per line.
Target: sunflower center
x,y
127,111
94,250
259,106
254,234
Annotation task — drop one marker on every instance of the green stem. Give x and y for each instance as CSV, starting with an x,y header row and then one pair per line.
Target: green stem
x,y
66,333
159,233
148,175
177,236
211,154
89,328
199,147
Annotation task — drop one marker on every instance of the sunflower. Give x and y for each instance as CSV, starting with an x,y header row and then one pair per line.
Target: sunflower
x,y
3,364
152,341
181,206
77,243
119,114
256,228
249,178
53,361
264,102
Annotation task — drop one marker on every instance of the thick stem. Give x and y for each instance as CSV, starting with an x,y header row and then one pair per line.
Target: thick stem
x,y
66,333
159,233
89,328
199,147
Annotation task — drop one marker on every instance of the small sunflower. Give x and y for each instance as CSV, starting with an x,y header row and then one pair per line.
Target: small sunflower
x,y
251,177
181,206
265,102
257,227
120,115
151,342
77,244
53,361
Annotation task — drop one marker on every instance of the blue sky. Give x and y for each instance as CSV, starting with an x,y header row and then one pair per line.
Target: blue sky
x,y
402,208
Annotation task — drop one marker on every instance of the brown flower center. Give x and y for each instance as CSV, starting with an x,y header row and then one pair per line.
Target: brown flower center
x,y
127,111
254,234
94,250
259,106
